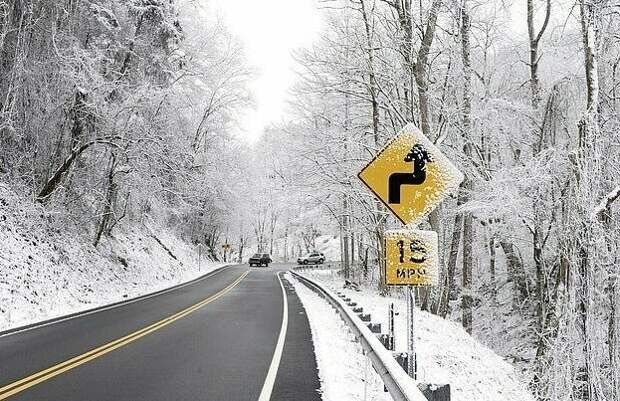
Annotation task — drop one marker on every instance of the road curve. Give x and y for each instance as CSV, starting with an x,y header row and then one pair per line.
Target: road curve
x,y
214,339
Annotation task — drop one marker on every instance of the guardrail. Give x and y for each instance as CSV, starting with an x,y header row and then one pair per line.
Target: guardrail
x,y
399,384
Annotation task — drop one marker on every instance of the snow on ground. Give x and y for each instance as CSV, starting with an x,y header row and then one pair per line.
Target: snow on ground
x,y
345,373
48,270
446,353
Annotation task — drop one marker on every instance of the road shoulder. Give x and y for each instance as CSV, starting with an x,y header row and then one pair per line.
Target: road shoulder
x,y
297,377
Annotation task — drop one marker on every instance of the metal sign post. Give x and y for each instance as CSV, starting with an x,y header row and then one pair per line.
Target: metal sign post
x,y
392,339
411,357
226,249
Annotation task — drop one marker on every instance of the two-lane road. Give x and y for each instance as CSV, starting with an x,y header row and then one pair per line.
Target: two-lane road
x,y
239,334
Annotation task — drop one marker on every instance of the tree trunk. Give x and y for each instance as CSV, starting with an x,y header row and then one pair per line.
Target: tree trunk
x,y
612,336
467,300
449,290
516,271
587,170
534,39
241,246
345,239
352,260
492,270
468,227
286,243
421,68
272,228
403,10
540,279
53,183
109,201
373,90
372,79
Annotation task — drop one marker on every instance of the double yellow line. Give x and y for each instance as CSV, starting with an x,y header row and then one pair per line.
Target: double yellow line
x,y
39,377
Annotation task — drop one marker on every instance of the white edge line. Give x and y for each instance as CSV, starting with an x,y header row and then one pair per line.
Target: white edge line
x,y
118,305
265,394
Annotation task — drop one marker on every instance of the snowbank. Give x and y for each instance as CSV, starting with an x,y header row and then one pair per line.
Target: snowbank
x,y
48,271
446,353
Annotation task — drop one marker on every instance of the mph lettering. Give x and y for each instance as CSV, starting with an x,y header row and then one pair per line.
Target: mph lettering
x,y
410,273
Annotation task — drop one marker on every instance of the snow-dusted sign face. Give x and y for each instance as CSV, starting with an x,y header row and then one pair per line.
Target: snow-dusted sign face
x,y
411,257
410,175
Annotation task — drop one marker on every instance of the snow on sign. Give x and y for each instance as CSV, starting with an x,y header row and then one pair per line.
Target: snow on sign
x,y
411,257
410,175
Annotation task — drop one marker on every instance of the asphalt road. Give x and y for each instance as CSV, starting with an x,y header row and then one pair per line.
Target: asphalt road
x,y
223,338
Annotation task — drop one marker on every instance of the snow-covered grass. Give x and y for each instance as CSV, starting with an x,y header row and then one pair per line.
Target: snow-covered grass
x,y
445,352
345,373
47,270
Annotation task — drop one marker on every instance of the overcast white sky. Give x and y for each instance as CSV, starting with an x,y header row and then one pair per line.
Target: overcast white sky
x,y
270,30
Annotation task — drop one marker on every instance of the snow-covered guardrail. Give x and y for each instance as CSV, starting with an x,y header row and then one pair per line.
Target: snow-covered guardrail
x,y
399,384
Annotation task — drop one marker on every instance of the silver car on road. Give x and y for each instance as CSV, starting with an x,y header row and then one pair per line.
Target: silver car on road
x,y
315,257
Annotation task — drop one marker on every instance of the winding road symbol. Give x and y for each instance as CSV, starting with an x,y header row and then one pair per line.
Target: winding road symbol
x,y
410,175
419,156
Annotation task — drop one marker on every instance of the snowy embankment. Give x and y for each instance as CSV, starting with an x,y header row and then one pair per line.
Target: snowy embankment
x,y
48,270
445,352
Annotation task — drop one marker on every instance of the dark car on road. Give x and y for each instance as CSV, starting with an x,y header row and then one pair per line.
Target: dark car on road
x,y
260,259
315,257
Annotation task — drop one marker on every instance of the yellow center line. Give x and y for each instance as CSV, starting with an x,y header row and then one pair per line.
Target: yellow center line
x,y
52,371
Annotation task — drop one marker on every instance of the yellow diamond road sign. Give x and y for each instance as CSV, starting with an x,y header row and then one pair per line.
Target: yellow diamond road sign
x,y
411,257
410,175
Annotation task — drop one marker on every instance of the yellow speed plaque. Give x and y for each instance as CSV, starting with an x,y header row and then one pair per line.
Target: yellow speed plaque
x,y
411,257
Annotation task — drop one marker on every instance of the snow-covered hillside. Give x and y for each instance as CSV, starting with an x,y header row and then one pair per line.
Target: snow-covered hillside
x,y
329,245
48,270
446,353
